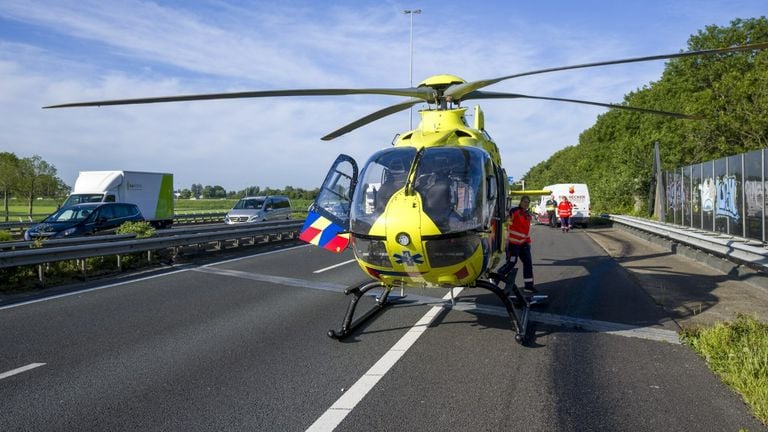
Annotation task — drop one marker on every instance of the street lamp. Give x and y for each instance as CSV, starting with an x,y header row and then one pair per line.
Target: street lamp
x,y
411,12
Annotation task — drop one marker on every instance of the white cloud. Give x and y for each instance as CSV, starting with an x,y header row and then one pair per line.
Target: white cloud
x,y
96,50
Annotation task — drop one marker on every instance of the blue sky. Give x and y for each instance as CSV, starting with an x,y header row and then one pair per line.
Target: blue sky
x,y
67,51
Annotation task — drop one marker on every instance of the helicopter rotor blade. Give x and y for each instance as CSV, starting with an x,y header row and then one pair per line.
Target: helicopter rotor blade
x,y
423,93
497,95
457,91
371,118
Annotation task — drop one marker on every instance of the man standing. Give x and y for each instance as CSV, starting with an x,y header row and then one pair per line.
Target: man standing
x,y
519,242
565,210
551,208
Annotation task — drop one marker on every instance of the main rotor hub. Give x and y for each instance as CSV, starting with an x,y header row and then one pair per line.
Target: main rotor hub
x,y
441,81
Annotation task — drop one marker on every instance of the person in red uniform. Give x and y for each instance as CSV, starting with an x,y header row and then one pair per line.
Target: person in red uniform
x,y
564,211
519,242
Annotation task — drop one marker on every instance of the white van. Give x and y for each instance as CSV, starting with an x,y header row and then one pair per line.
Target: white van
x,y
259,209
578,195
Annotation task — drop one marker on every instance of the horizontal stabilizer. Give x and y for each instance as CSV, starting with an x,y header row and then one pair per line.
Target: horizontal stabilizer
x,y
530,192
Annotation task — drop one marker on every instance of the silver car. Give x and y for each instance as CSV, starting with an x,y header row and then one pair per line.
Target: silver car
x,y
259,209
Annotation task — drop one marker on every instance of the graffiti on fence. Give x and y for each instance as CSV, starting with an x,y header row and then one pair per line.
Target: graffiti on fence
x,y
707,189
726,197
754,191
675,192
696,198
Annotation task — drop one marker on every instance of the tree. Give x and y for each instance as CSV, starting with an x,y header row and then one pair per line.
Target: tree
x,y
36,176
197,190
185,194
9,177
730,92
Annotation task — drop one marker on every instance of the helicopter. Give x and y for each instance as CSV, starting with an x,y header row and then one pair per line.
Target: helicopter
x,y
429,211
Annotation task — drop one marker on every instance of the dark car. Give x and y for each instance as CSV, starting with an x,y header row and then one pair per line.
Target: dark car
x,y
85,219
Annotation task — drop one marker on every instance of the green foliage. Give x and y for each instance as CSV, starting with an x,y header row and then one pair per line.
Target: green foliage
x,y
5,236
37,243
142,229
738,353
218,192
730,92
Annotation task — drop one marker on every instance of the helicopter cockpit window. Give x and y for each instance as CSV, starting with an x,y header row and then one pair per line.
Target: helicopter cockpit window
x,y
384,174
451,182
335,194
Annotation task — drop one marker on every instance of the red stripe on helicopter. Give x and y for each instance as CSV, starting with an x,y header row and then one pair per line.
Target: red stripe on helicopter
x,y
309,234
461,274
338,243
322,232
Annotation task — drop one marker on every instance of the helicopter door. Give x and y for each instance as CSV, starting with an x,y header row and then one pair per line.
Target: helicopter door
x,y
327,223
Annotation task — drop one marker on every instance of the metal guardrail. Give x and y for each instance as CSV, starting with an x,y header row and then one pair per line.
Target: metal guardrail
x,y
740,249
193,218
172,240
28,244
181,218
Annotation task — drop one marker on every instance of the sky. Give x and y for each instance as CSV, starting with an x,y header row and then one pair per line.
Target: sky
x,y
54,51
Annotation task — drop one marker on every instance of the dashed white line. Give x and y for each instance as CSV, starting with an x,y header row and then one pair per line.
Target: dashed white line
x,y
20,370
183,268
333,266
344,405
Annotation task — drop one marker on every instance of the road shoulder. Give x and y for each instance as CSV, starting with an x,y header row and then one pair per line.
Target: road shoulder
x,y
690,292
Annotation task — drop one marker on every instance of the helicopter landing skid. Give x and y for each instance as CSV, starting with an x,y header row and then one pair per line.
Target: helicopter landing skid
x,y
382,301
519,317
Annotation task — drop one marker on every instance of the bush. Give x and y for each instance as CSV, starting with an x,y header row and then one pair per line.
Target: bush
x,y
5,236
141,229
738,353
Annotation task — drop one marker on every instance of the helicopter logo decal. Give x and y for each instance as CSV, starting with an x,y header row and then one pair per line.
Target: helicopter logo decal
x,y
408,259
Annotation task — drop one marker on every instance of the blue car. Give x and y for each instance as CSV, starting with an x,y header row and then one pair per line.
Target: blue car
x,y
85,219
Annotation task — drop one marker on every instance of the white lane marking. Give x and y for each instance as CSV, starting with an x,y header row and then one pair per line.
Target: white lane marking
x,y
279,280
256,254
333,266
186,267
344,405
20,370
617,329
83,291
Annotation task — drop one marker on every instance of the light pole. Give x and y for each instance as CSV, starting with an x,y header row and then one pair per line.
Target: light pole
x,y
410,76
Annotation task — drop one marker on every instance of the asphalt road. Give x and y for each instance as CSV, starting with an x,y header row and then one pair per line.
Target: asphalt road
x,y
241,345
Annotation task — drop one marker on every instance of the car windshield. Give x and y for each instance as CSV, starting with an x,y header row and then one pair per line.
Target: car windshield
x,y
82,198
249,204
70,214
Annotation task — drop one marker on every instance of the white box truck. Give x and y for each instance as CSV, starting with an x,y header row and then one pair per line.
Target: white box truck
x,y
152,192
578,195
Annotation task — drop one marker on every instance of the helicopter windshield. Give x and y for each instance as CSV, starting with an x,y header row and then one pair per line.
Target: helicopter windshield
x,y
450,182
384,174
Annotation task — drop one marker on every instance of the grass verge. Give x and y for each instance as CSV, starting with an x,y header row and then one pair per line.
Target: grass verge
x,y
737,352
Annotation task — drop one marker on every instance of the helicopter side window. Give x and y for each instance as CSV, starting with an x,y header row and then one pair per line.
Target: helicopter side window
x,y
384,174
391,182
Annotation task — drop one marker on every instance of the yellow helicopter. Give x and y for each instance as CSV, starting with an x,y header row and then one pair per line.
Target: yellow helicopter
x,y
429,211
